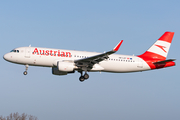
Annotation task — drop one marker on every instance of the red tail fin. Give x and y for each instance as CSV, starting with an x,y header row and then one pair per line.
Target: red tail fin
x,y
156,55
160,48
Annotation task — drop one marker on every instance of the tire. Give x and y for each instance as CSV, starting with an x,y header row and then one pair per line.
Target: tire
x,y
81,78
25,72
86,76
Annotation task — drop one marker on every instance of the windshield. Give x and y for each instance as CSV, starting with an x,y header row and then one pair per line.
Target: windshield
x,y
15,51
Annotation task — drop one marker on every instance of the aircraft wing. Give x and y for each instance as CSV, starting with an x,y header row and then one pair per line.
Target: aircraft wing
x,y
97,58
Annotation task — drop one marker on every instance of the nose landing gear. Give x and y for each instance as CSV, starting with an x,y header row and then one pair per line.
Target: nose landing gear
x,y
83,77
25,72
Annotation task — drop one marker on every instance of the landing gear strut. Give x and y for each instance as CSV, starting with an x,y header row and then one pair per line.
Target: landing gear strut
x,y
25,72
83,77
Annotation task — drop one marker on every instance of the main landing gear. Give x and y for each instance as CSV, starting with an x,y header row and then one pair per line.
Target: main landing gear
x,y
25,72
83,77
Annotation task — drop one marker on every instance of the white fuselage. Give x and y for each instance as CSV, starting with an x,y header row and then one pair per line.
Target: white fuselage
x,y
47,57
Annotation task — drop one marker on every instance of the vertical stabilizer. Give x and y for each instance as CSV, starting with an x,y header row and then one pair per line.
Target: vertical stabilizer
x,y
160,48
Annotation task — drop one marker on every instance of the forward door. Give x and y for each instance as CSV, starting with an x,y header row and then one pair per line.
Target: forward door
x,y
28,52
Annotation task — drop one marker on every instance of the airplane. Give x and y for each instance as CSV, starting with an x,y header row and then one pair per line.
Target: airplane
x,y
64,62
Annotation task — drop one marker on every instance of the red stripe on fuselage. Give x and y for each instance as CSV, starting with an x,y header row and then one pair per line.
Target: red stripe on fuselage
x,y
152,58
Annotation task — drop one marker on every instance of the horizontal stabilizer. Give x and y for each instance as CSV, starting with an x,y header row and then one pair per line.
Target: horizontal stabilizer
x,y
164,61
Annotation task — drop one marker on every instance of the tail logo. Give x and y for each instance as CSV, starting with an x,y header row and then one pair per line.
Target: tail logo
x,y
162,47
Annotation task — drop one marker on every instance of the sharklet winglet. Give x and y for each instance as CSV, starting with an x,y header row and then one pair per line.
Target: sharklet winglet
x,y
118,46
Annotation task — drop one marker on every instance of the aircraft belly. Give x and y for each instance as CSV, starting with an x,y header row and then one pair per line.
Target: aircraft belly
x,y
121,67
46,61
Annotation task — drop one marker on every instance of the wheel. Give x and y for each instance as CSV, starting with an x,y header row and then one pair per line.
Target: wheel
x,y
81,78
86,76
25,72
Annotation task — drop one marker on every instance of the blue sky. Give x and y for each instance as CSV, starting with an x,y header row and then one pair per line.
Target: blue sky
x,y
96,25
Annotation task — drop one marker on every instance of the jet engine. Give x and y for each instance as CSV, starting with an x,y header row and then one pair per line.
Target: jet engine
x,y
55,71
65,66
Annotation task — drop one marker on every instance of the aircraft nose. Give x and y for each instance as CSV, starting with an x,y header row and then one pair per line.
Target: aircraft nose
x,y
6,57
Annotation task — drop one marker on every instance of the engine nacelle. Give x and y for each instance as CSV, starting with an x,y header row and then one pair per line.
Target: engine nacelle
x,y
65,66
55,71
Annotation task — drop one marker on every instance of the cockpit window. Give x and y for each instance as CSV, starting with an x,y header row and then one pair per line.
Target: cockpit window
x,y
15,51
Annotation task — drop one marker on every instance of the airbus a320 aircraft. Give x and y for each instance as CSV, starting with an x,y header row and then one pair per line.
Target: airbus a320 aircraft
x,y
64,62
